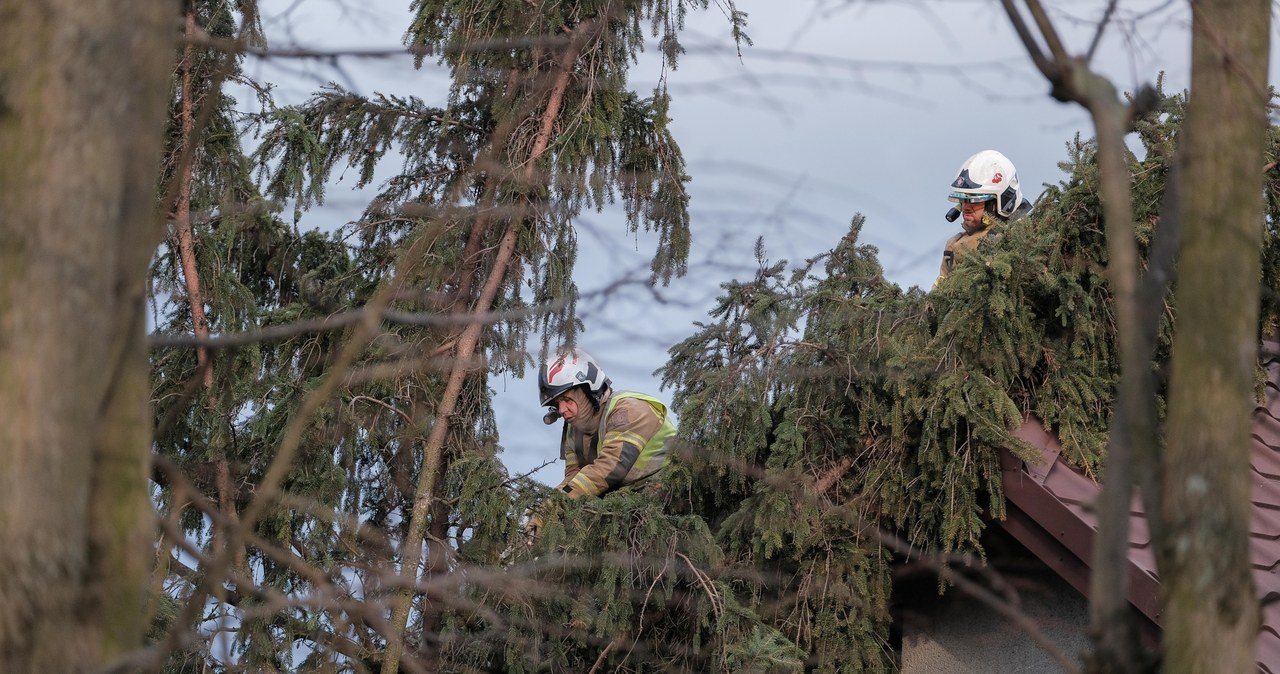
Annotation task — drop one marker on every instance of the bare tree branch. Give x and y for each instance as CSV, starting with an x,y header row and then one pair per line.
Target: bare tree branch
x,y
1046,66
1102,26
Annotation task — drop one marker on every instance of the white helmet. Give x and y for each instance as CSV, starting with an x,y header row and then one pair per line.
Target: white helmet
x,y
575,368
985,176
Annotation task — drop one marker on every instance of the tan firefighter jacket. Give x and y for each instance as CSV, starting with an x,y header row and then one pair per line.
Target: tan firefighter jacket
x,y
966,241
628,446
958,245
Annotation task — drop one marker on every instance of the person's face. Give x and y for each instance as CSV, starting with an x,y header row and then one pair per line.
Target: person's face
x,y
972,212
566,406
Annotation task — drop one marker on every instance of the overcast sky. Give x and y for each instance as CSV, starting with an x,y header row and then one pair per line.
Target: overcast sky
x,y
840,107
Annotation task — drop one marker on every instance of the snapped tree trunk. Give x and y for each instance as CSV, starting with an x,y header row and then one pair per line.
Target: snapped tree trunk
x,y
82,92
1211,610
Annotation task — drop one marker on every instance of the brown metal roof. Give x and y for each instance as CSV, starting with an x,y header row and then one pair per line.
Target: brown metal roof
x,y
1050,512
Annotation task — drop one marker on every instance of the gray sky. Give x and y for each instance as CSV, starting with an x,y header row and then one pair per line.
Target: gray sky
x,y
840,107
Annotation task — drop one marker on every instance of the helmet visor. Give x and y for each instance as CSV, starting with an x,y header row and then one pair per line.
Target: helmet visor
x,y
968,198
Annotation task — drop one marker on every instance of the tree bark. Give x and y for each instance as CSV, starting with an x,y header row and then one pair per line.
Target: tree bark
x,y
1211,609
1115,637
1133,427
182,213
82,92
191,274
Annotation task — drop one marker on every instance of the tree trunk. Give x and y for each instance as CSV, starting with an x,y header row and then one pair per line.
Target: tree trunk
x,y
433,452
182,213
1133,427
82,91
1211,609
186,169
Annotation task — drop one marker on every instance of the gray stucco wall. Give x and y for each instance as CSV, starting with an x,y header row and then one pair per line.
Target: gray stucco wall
x,y
956,634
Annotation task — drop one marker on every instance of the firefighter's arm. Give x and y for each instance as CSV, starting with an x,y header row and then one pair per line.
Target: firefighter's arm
x,y
949,256
569,456
627,430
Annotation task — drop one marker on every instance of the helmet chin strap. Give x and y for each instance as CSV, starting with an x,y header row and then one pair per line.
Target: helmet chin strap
x,y
597,399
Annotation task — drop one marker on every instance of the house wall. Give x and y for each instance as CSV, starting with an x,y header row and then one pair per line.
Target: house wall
x,y
957,634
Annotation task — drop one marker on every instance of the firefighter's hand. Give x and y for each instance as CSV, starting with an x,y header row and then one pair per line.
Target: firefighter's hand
x,y
532,527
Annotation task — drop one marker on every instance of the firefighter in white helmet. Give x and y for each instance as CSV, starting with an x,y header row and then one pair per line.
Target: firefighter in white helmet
x,y
610,440
988,193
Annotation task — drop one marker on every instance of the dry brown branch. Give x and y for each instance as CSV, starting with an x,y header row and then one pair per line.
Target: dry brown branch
x,y
340,321
232,47
330,596
346,319
282,463
717,602
603,654
832,476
